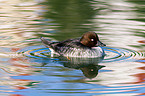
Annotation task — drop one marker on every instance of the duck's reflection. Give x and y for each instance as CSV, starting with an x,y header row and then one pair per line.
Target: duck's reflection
x,y
91,71
89,66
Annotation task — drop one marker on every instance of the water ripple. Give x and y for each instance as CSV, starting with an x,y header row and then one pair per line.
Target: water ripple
x,y
121,54
37,53
112,54
5,37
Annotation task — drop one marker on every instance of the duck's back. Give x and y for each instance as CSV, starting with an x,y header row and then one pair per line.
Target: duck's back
x,y
73,48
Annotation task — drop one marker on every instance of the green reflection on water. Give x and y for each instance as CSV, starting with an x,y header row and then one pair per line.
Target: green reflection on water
x,y
139,10
70,17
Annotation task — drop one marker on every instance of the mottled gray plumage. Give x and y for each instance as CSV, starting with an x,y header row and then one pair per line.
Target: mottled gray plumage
x,y
80,47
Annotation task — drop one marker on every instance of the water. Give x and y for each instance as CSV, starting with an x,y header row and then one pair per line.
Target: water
x,y
27,68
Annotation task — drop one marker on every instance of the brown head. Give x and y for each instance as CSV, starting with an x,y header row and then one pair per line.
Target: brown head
x,y
91,39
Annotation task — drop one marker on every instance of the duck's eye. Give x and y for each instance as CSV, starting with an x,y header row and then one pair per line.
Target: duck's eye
x,y
92,39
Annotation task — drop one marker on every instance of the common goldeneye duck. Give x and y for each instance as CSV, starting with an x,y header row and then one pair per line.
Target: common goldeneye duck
x,y
87,46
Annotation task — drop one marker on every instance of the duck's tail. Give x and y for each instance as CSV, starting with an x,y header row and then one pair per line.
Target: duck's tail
x,y
46,42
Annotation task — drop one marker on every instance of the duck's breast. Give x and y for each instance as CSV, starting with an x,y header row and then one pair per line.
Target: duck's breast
x,y
83,52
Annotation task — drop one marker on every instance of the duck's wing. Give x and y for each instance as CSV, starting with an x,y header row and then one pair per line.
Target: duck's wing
x,y
47,43
69,42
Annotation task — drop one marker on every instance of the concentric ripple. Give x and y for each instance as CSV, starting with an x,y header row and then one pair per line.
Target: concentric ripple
x,y
121,54
35,52
112,54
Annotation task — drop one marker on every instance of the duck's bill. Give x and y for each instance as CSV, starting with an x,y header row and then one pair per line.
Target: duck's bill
x,y
99,43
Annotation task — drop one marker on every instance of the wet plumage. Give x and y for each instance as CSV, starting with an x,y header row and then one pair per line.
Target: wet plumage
x,y
80,47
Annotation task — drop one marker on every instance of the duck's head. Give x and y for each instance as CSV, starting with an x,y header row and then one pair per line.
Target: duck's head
x,y
91,39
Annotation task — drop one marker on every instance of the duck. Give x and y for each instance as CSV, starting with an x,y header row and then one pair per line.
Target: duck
x,y
88,46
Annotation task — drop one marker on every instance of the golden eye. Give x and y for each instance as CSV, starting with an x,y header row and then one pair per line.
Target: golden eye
x,y
92,39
